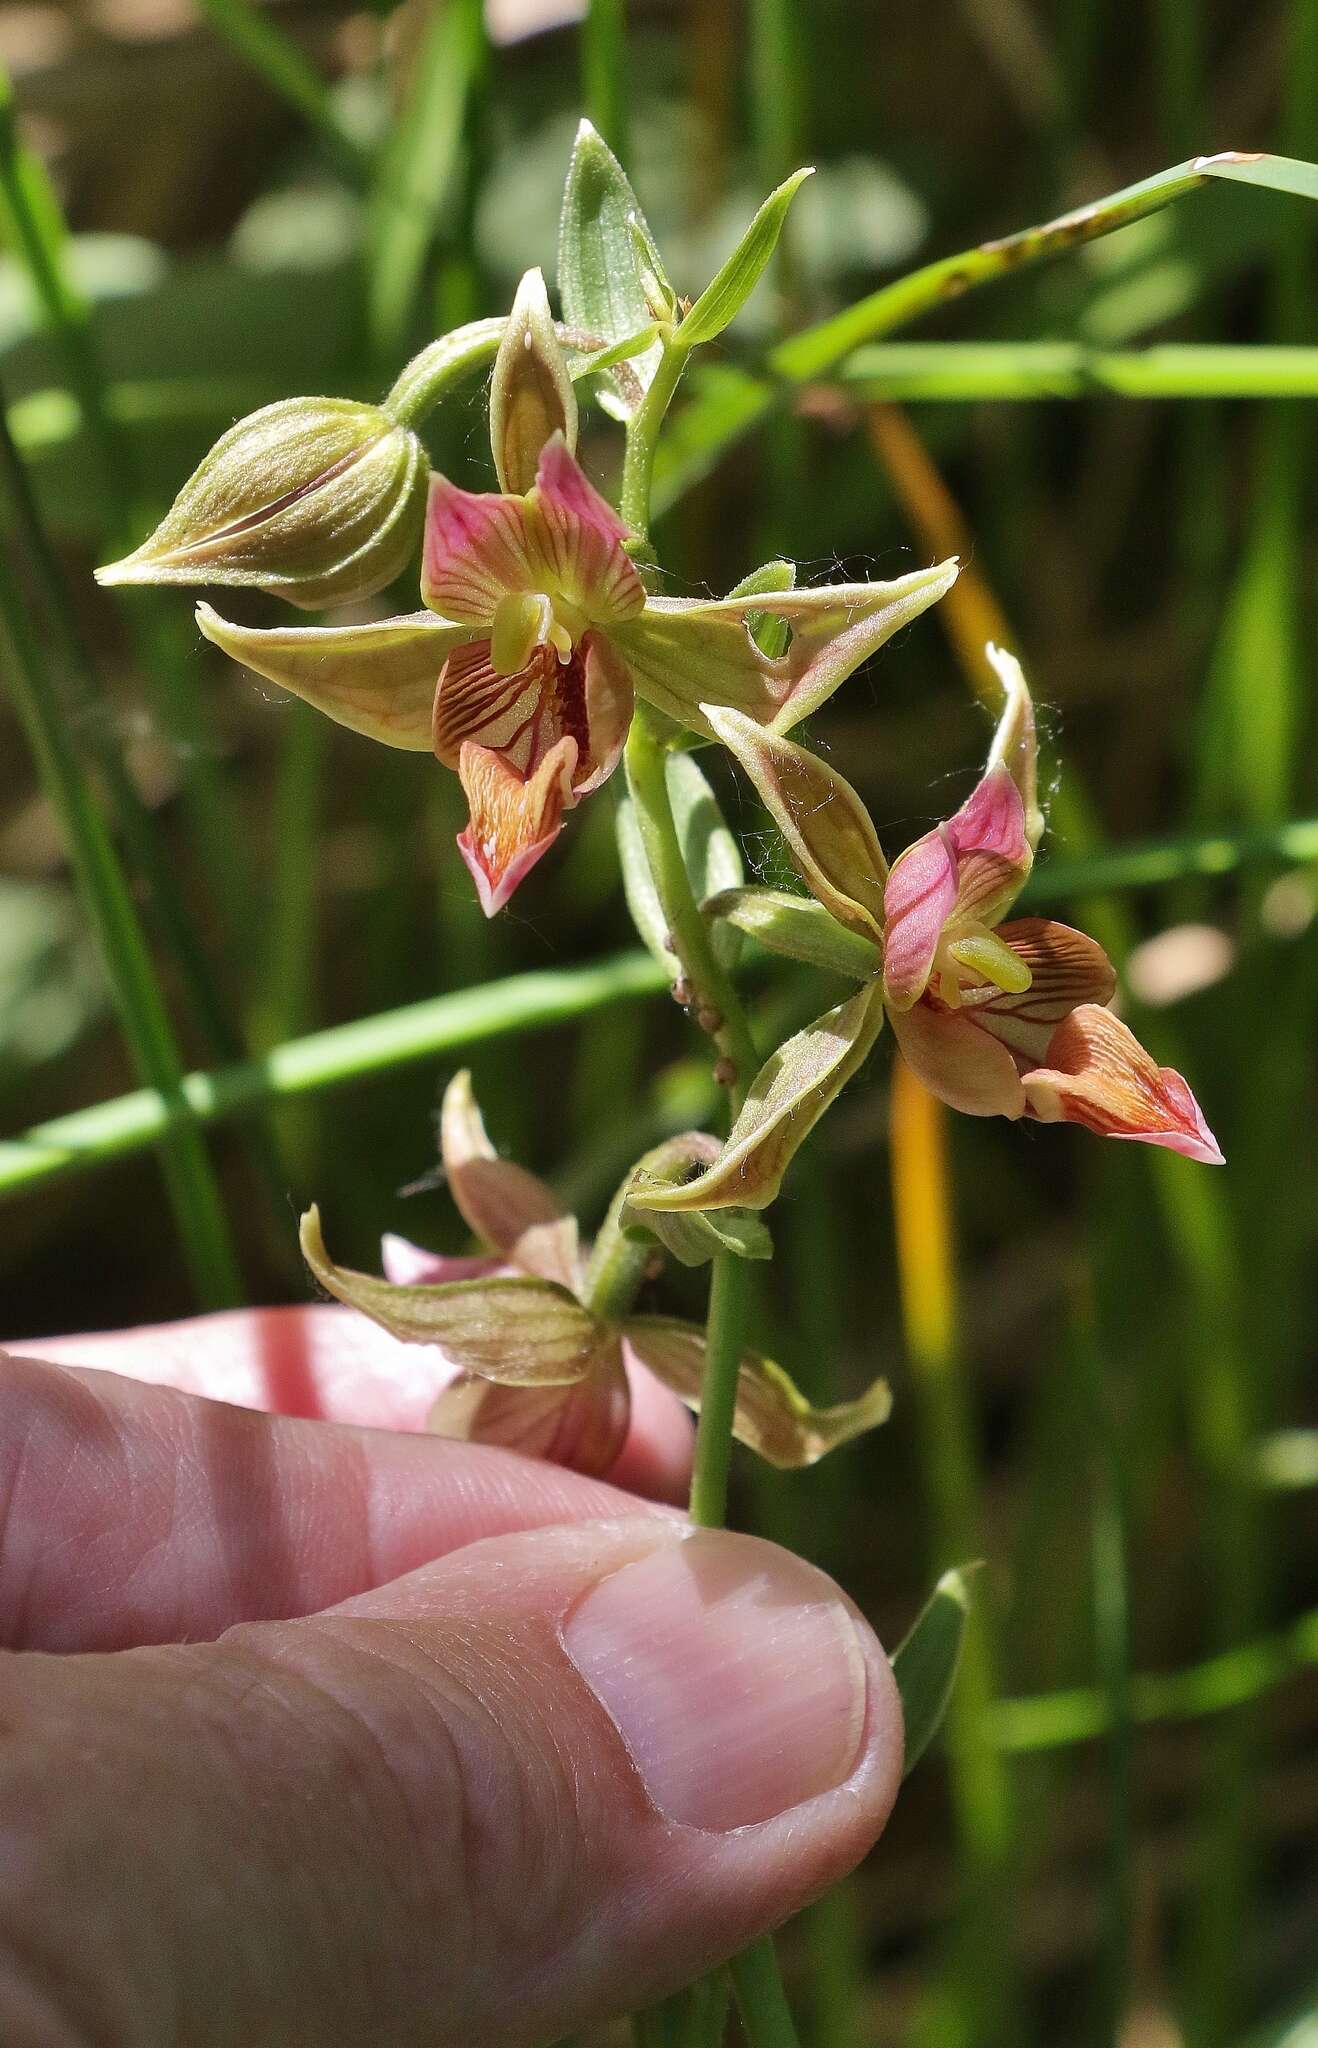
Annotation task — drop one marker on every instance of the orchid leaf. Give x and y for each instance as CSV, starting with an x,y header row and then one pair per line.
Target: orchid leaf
x,y
643,905
505,1205
824,824
601,274
773,1417
798,927
377,679
727,292
925,1662
788,1096
519,1332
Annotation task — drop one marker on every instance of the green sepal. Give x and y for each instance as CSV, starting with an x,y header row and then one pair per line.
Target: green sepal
x,y
601,275
727,292
925,1662
773,1417
692,1237
798,927
518,1332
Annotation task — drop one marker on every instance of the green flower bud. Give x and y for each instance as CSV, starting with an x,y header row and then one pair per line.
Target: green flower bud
x,y
531,395
320,500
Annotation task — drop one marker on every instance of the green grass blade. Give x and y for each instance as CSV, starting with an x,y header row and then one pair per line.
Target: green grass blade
x,y
275,57
604,73
327,1059
417,170
961,372
194,1195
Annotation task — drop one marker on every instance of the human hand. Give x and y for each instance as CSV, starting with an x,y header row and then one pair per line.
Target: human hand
x,y
364,1737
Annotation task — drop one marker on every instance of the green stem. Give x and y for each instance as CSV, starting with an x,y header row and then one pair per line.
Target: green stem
x,y
761,2001
710,984
643,439
193,1192
729,1297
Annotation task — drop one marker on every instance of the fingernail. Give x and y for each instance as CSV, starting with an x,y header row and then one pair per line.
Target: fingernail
x,y
732,1671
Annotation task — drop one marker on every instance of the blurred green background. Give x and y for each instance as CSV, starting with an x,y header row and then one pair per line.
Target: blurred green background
x,y
1115,1841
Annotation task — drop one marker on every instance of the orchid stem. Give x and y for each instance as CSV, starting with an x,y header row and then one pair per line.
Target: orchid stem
x,y
729,1296
643,439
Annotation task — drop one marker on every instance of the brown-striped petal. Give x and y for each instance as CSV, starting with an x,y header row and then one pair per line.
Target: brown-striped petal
x,y
583,1427
1098,1074
515,819
1067,968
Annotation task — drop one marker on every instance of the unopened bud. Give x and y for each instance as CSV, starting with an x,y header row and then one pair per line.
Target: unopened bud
x,y
531,395
320,500
724,1073
710,1020
682,992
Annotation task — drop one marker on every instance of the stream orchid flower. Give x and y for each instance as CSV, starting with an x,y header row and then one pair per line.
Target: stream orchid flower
x,y
539,632
996,1018
535,1365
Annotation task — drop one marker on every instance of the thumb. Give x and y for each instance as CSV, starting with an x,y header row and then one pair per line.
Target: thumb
x,y
539,1782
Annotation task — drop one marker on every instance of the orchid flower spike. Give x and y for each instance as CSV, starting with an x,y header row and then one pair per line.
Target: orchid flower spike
x,y
540,633
535,1366
997,1019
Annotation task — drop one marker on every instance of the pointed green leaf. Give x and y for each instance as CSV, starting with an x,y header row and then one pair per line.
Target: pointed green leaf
x,y
644,907
726,294
798,927
520,1333
786,1100
773,1417
925,1663
601,277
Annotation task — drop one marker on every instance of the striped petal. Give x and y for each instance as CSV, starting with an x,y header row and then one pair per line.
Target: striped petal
x,y
1067,968
1098,1074
515,819
475,552
575,539
956,1061
377,679
685,652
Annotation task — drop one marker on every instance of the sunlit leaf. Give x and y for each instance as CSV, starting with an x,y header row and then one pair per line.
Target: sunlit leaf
x,y
925,1662
601,277
726,294
693,1237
